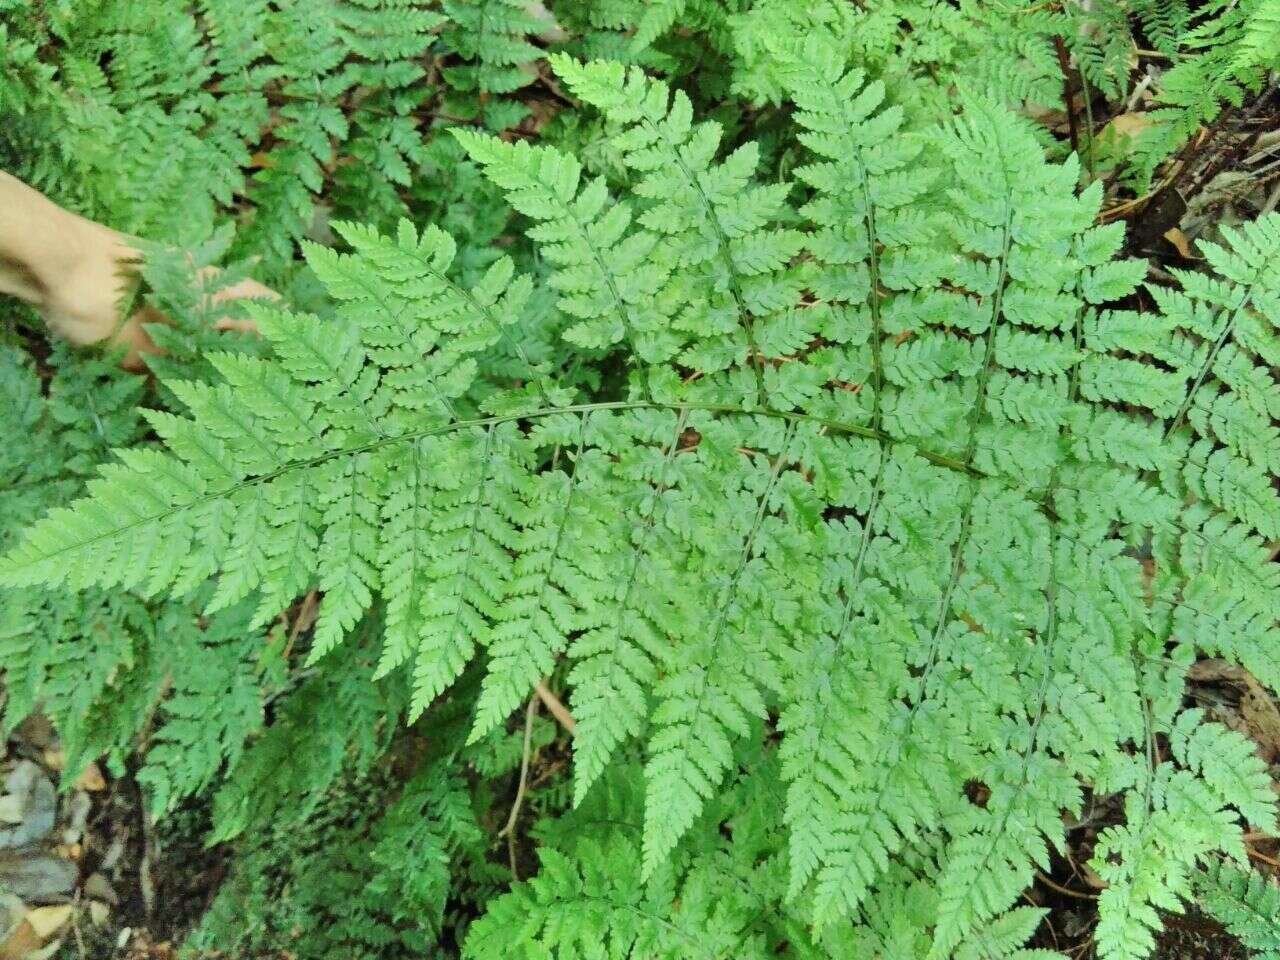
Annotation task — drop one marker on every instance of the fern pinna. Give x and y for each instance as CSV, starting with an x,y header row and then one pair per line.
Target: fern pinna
x,y
897,536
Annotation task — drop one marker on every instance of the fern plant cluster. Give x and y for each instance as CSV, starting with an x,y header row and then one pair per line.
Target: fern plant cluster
x,y
711,367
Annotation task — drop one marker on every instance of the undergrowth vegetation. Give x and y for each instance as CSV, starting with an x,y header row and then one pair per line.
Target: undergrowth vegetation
x,y
765,386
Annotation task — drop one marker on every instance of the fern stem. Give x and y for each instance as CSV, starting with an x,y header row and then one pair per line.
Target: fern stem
x,y
582,408
957,553
564,511
748,544
971,448
1051,599
690,718
877,377
529,714
650,521
415,469
382,442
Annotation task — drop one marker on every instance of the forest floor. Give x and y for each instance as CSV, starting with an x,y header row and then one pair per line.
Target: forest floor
x,y
88,878
83,874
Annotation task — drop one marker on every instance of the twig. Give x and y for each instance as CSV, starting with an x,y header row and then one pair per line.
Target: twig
x,y
1052,932
1233,153
1183,162
524,768
1272,861
75,927
1064,62
305,612
1179,166
1064,890
1268,143
150,854
1086,95
1138,90
1272,201
555,707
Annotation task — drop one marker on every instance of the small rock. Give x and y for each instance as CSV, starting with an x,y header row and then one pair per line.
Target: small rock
x,y
97,888
33,875
77,817
99,912
11,808
47,921
38,805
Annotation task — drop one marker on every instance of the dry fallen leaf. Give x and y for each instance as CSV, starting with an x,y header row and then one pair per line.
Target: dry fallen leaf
x,y
1180,242
21,943
1129,124
1257,709
91,779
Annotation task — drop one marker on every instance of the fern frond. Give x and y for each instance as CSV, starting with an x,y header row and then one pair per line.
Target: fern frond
x,y
216,707
700,702
490,36
1260,40
875,534
713,220
1245,903
1221,329
285,774
616,660
606,273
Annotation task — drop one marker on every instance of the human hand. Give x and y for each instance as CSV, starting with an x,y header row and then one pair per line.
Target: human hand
x,y
76,274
